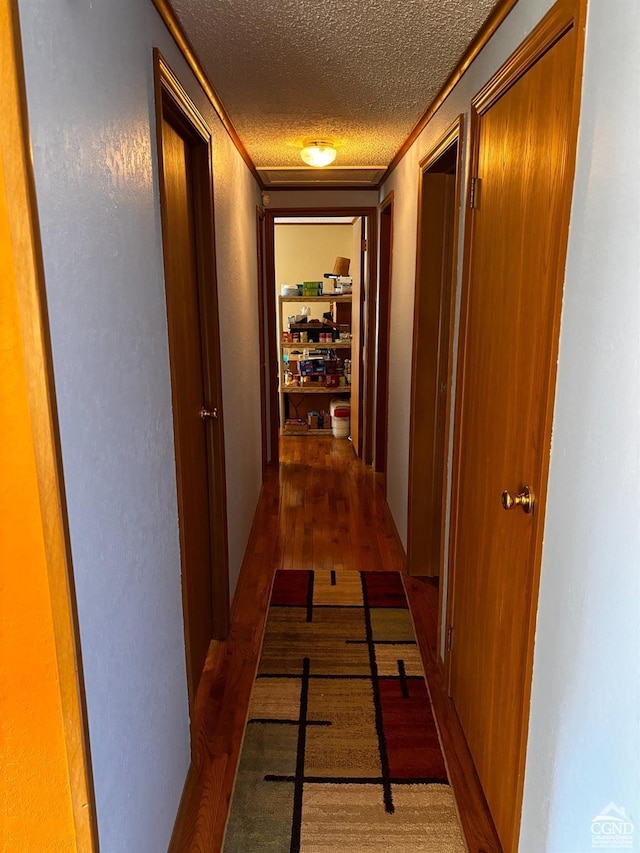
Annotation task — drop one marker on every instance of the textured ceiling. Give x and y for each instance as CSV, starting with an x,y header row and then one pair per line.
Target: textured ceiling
x,y
358,72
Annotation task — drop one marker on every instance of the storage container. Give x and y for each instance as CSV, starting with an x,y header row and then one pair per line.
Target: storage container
x,y
340,417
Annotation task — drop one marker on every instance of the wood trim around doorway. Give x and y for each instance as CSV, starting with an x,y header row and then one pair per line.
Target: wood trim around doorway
x,y
383,335
415,520
262,347
366,305
172,99
368,364
272,348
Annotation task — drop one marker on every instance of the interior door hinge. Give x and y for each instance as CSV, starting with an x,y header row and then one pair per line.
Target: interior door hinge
x,y
450,638
474,193
364,246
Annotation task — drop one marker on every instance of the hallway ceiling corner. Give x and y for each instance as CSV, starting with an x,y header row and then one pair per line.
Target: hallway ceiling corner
x,y
359,74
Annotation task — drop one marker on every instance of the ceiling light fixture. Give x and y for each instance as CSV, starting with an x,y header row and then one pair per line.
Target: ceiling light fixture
x,y
318,153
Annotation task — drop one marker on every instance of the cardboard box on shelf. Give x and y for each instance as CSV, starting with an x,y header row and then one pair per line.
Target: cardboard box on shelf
x,y
312,288
311,367
319,420
295,425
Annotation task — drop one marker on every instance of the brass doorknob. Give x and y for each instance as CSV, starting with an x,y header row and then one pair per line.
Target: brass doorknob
x,y
525,499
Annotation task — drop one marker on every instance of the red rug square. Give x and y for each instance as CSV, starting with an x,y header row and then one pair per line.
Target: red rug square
x,y
385,589
291,588
410,731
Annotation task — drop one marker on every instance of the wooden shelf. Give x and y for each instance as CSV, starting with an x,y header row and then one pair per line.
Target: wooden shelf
x,y
316,389
326,297
319,345
299,399
306,432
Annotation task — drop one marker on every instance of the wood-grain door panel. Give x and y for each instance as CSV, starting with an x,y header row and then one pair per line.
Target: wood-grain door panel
x,y
506,378
430,380
183,312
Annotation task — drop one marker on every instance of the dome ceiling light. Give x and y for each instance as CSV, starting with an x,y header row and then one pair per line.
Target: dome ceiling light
x,y
318,153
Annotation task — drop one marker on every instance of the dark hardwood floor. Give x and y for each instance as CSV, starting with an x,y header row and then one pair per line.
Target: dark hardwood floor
x,y
321,509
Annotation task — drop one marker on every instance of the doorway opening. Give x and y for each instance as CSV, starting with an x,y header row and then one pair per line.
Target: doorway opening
x,y
186,205
434,310
318,272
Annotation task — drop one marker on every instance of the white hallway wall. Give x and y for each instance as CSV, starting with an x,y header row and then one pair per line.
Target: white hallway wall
x,y
584,743
307,252
91,109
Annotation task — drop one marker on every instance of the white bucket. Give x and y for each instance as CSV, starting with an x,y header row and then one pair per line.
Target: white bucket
x,y
340,419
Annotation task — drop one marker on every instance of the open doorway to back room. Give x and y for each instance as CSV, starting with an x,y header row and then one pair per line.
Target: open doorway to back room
x,y
317,276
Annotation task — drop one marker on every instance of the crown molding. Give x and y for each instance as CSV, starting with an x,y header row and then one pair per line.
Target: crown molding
x,y
294,188
483,35
174,26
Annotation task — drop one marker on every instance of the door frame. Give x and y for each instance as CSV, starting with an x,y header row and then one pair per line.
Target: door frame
x,y
262,348
383,338
172,101
452,136
367,304
561,18
359,442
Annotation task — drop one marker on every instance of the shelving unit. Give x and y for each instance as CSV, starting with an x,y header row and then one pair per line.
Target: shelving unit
x,y
316,389
285,392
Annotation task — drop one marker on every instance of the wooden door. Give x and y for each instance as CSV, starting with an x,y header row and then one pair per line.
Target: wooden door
x,y
186,203
524,144
183,311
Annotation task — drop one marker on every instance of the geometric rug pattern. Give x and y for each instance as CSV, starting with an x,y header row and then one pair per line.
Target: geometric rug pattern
x,y
341,751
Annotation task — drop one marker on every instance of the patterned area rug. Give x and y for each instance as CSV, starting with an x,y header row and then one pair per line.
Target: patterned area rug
x,y
341,750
